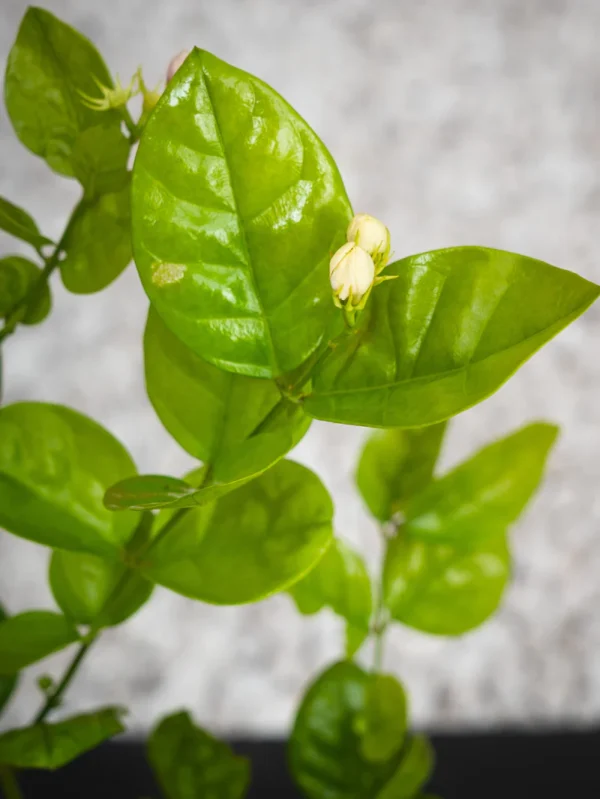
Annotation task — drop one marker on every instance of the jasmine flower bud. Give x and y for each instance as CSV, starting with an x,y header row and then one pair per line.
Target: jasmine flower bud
x,y
351,272
372,236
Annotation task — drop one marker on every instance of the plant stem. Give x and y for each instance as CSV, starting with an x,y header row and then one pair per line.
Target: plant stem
x,y
9,783
53,698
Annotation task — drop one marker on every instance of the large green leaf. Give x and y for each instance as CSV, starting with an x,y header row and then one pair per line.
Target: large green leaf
x,y
327,746
248,545
49,67
32,636
17,278
237,207
209,412
413,771
189,763
396,464
486,493
55,466
84,588
98,244
445,334
340,580
50,746
17,222
8,682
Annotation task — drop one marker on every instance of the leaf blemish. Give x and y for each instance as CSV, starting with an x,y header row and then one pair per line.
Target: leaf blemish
x,y
167,274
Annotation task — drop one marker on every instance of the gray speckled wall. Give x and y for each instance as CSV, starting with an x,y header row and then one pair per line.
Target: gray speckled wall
x,y
455,121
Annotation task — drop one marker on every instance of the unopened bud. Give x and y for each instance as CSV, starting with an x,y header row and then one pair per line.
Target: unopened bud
x,y
371,235
351,272
175,63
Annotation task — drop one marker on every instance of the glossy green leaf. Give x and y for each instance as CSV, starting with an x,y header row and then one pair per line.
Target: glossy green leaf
x,y
250,544
445,334
17,278
385,719
212,413
17,222
84,588
189,763
49,67
340,581
50,746
237,207
98,245
413,771
8,682
444,589
486,493
55,466
326,750
396,464
32,636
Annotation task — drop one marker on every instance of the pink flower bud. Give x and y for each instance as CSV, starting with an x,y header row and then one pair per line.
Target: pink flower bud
x,y
176,62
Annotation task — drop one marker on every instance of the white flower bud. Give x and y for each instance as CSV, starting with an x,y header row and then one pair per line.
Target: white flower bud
x,y
351,272
372,235
175,63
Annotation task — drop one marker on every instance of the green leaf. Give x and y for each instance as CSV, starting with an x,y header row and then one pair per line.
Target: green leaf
x,y
49,67
237,207
83,584
209,412
98,244
17,222
385,718
189,763
248,545
413,772
8,683
50,746
17,278
486,493
326,747
55,466
100,158
444,335
32,636
396,464
340,580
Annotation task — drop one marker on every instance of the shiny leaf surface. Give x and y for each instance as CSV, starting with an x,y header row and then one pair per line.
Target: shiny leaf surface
x,y
250,544
17,278
48,68
17,222
50,746
84,588
237,206
32,636
190,763
395,465
445,334
340,581
55,466
209,412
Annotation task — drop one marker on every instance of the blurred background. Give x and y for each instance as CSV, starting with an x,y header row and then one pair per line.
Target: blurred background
x,y
456,122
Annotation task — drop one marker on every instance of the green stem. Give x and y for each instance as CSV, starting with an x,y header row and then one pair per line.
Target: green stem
x,y
9,783
55,696
381,616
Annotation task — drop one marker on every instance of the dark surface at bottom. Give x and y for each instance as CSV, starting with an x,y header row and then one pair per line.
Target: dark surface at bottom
x,y
469,766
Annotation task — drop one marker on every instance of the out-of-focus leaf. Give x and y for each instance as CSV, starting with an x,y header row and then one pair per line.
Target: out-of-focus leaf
x,y
8,682
17,222
17,278
32,636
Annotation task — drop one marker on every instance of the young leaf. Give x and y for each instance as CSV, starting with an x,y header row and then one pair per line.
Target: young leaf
x,y
17,278
413,772
444,589
445,334
17,222
8,683
83,584
248,545
209,412
340,580
32,636
100,158
189,762
49,68
55,465
484,494
98,245
396,464
50,746
237,207
385,718
326,752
